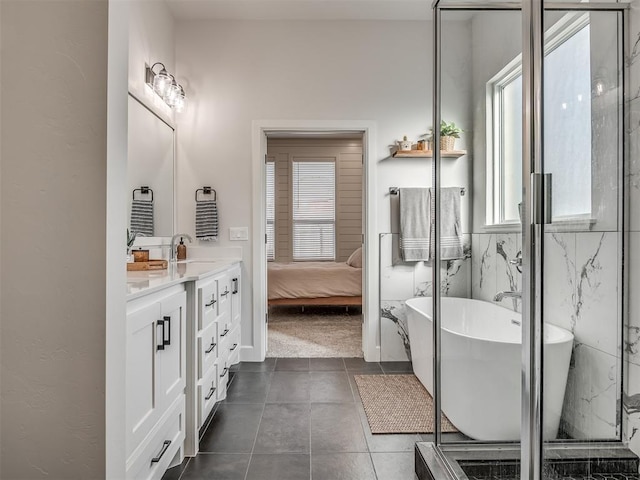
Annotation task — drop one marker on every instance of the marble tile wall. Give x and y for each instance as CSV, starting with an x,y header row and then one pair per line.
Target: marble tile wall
x,y
491,270
581,295
401,282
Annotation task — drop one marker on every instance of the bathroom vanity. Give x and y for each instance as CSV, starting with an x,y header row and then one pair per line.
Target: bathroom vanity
x,y
183,336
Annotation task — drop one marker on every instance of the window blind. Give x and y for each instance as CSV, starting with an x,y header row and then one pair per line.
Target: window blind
x,y
271,210
314,210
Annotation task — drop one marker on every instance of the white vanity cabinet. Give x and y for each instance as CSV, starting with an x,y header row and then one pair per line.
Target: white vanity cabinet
x,y
216,331
156,380
209,335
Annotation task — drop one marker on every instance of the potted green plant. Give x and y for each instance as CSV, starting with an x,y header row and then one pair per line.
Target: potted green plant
x,y
448,134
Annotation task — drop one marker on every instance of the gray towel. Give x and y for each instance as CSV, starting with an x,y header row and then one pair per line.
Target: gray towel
x,y
207,220
142,217
415,224
450,231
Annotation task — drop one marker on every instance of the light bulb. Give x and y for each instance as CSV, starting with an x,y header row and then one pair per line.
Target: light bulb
x,y
161,82
180,101
172,93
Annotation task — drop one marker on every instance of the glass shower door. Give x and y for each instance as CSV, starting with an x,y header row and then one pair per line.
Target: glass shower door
x,y
582,264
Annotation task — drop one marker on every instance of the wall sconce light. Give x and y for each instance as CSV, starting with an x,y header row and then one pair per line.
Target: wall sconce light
x,y
165,86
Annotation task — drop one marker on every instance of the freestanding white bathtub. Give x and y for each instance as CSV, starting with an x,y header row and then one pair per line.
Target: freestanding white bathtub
x,y
481,366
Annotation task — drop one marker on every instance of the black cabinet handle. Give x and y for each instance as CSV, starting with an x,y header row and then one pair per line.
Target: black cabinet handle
x,y
210,394
225,293
211,303
224,372
160,323
224,334
235,345
211,347
167,320
235,286
165,445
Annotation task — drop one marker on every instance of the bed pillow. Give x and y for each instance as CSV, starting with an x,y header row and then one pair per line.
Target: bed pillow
x,y
355,260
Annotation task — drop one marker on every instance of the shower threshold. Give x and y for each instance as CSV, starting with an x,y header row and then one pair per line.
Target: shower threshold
x,y
584,462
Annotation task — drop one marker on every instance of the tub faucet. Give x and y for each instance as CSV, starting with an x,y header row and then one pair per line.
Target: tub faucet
x,y
500,295
172,253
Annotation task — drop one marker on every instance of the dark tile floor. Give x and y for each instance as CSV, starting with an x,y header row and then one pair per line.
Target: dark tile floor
x,y
299,418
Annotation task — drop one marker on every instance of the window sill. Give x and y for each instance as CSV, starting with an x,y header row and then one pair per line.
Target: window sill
x,y
502,228
562,224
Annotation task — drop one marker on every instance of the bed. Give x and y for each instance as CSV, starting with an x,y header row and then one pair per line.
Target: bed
x,y
315,283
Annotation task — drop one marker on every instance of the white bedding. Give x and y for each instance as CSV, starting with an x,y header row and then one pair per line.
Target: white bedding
x,y
313,280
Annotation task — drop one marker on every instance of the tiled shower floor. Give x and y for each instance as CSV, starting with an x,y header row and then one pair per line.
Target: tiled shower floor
x,y
608,476
299,418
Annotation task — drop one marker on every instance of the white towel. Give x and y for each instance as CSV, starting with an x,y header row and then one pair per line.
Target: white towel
x,y
142,217
415,224
207,220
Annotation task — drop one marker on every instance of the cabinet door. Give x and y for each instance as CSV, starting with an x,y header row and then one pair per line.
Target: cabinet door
x,y
172,357
235,296
207,349
143,406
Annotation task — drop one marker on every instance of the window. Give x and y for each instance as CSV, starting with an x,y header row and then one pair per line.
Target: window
x,y
314,207
567,128
271,211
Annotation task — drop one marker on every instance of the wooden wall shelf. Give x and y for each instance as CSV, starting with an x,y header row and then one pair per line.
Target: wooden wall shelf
x,y
428,154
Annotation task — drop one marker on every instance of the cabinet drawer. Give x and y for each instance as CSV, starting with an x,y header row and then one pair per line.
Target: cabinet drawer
x,y
207,394
207,304
152,458
207,349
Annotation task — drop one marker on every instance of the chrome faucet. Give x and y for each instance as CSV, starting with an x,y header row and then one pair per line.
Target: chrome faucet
x,y
172,252
500,295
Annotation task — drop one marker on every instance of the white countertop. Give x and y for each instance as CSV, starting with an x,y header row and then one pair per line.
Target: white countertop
x,y
143,283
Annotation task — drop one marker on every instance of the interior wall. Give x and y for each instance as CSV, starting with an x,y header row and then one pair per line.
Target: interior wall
x,y
151,40
347,155
335,70
53,210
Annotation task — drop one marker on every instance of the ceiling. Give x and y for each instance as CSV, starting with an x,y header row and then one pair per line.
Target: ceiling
x,y
300,9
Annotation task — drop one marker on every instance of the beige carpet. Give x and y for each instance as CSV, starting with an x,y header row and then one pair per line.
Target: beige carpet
x,y
317,333
398,404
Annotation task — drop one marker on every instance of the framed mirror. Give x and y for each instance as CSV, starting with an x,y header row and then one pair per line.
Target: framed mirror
x,y
150,172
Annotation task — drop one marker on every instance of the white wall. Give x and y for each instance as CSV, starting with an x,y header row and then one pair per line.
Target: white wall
x,y
53,205
151,40
243,71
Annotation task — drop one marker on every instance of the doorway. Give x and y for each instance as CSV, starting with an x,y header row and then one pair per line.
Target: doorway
x,y
314,224
261,131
